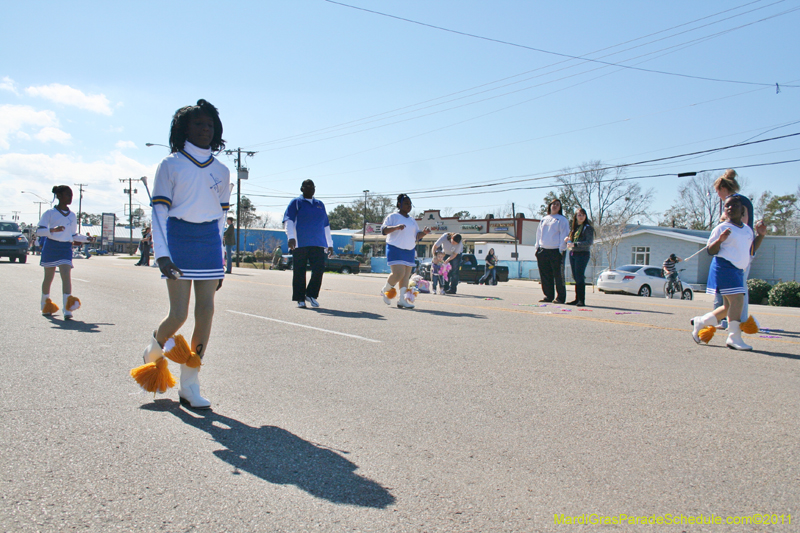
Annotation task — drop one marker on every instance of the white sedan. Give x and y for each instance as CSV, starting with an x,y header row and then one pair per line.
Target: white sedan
x,y
643,280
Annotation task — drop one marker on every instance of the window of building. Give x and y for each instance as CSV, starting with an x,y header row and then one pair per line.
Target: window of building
x,y
640,255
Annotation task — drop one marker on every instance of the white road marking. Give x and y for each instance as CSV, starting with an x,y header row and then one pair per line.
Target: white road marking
x,y
304,326
83,280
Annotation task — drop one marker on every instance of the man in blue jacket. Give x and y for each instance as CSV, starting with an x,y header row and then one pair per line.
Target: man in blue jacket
x,y
309,234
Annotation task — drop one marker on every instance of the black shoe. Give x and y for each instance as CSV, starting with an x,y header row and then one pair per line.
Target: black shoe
x,y
574,302
545,300
560,302
580,304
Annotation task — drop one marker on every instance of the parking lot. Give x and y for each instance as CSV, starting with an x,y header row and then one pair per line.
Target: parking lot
x,y
484,411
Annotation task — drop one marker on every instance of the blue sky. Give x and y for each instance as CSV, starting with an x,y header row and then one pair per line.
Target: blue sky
x,y
356,100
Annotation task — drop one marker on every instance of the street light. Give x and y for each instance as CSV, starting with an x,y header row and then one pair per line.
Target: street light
x,y
40,203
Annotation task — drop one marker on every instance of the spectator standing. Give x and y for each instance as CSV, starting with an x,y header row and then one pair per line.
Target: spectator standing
x,y
491,262
450,244
144,247
579,245
436,272
89,239
309,234
229,240
551,243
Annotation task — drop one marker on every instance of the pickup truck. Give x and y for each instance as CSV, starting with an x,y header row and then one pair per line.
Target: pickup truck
x,y
469,272
333,264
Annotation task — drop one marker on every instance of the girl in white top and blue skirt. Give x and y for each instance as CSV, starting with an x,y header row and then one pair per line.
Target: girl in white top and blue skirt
x,y
59,227
402,233
191,196
732,244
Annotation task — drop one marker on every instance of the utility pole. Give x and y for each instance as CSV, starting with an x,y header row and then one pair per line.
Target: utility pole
x,y
364,231
516,251
242,174
130,190
80,201
15,215
40,208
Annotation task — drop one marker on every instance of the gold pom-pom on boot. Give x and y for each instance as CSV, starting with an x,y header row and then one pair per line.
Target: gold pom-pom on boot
x,y
705,324
750,326
48,307
388,295
154,377
70,304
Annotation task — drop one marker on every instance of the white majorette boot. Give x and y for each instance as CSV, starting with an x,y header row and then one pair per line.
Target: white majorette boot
x,y
153,351
189,390
702,322
402,302
388,292
735,341
70,304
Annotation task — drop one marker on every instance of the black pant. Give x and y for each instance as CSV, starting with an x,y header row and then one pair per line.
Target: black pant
x,y
307,255
550,273
452,278
145,258
578,262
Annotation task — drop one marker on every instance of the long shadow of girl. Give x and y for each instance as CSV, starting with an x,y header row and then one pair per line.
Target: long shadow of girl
x,y
278,456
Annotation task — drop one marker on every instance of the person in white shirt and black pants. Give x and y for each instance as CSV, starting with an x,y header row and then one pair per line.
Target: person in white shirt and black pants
x,y
551,244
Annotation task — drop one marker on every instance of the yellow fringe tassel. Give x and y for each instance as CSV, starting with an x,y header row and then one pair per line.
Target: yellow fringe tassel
x,y
707,333
749,326
73,304
49,307
154,377
391,293
182,354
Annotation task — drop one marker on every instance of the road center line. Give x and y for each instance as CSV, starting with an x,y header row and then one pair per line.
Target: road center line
x,y
304,326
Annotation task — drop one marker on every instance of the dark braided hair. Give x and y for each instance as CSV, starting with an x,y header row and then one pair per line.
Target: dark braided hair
x,y
401,198
181,118
59,189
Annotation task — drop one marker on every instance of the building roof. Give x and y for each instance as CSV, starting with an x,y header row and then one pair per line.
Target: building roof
x,y
432,237
682,234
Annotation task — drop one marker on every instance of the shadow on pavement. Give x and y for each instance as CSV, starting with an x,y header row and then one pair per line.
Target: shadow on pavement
x,y
348,314
640,311
448,313
77,325
278,456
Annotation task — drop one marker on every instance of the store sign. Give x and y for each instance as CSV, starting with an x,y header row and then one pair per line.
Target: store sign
x,y
476,227
500,228
438,228
107,232
373,229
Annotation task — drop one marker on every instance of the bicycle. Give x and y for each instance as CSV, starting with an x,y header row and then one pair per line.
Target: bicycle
x,y
673,287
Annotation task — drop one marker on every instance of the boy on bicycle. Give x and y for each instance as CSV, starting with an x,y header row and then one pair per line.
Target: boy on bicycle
x,y
669,268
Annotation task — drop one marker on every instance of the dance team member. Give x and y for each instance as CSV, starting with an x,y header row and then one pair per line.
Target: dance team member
x,y
309,234
402,233
59,226
191,196
733,244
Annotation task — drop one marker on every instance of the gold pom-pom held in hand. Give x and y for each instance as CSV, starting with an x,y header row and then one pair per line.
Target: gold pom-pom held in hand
x,y
154,377
707,333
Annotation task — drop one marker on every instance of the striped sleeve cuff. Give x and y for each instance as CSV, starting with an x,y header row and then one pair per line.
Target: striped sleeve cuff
x,y
225,207
163,200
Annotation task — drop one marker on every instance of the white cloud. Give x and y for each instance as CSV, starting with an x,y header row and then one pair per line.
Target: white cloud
x,y
125,144
14,118
7,84
64,94
38,173
53,134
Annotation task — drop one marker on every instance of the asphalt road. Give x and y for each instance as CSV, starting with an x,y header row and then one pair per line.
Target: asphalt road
x,y
465,414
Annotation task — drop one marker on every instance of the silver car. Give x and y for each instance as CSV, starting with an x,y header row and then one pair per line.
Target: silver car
x,y
642,280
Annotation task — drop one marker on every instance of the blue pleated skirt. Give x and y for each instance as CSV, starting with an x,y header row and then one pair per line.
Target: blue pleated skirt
x,y
725,278
195,248
56,253
398,256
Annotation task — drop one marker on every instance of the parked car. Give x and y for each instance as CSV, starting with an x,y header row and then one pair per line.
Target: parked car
x,y
469,272
97,251
13,244
333,264
642,280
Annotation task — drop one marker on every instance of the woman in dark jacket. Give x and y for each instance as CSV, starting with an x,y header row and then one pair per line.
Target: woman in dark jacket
x,y
579,244
491,262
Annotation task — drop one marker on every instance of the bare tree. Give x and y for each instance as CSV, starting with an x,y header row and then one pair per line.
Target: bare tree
x,y
610,199
697,206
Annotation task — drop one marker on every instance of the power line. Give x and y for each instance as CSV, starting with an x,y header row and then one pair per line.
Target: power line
x,y
500,41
